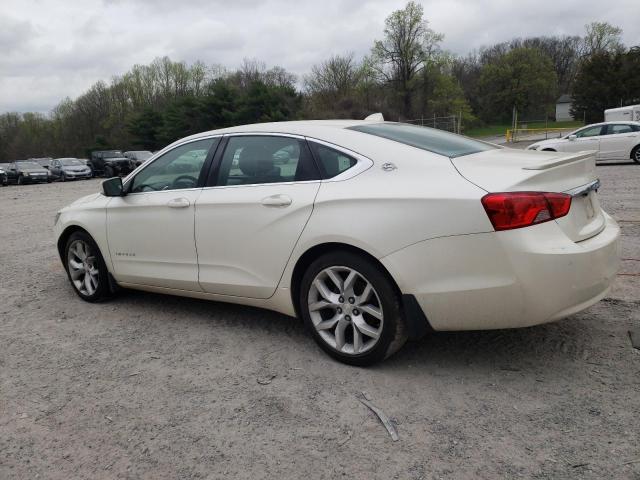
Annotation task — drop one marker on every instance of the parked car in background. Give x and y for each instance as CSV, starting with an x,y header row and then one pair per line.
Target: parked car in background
x,y
611,141
138,156
65,169
3,176
43,162
371,231
26,171
110,163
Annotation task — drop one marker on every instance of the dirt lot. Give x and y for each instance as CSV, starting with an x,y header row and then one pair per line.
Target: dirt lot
x,y
148,386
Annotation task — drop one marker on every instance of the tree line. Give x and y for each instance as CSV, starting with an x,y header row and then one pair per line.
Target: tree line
x,y
406,76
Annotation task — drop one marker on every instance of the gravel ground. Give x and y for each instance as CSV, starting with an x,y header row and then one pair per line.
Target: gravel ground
x,y
150,386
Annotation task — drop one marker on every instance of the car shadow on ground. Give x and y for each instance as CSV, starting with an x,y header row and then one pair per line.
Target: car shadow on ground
x,y
569,340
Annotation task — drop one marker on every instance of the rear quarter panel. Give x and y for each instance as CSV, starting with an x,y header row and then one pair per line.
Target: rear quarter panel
x,y
381,212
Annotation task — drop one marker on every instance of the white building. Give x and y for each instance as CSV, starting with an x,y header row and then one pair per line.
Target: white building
x,y
563,108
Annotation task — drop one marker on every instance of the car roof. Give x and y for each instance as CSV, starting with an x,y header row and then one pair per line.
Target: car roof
x,y
301,127
610,122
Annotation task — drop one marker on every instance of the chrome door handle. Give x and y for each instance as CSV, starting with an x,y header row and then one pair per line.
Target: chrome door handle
x,y
277,201
178,203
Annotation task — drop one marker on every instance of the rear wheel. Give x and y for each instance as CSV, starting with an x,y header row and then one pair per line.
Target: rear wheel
x,y
352,309
86,268
635,154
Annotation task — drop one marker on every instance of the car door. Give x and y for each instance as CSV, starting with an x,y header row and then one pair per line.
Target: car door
x,y
150,229
618,141
587,138
12,173
250,216
55,167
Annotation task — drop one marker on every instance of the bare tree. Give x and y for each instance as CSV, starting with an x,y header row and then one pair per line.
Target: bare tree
x,y
602,37
408,43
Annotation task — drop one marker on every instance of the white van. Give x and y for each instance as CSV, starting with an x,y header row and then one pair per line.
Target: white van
x,y
630,113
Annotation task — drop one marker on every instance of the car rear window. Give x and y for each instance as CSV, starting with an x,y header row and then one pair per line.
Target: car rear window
x,y
425,138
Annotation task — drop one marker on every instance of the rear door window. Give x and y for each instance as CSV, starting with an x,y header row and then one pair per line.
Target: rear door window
x,y
619,128
258,159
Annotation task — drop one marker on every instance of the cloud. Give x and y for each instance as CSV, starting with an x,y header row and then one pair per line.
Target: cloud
x,y
52,49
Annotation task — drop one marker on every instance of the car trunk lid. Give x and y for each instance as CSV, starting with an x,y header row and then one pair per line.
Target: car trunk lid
x,y
509,170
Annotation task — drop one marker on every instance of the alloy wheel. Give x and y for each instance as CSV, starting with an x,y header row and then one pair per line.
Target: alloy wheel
x,y
83,267
636,156
345,310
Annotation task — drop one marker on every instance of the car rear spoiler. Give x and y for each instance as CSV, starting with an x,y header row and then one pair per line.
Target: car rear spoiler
x,y
574,157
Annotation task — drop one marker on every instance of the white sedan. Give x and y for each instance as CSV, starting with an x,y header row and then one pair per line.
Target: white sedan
x,y
610,140
372,232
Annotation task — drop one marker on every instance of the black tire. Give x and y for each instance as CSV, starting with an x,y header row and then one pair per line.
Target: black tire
x,y
394,332
109,172
635,154
103,290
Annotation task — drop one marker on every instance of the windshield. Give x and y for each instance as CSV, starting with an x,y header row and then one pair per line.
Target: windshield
x,y
28,165
112,154
425,138
67,162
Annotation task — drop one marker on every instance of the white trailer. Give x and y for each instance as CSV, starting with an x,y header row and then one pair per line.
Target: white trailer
x,y
629,114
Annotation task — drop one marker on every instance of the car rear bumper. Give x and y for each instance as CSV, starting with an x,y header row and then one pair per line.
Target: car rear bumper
x,y
506,279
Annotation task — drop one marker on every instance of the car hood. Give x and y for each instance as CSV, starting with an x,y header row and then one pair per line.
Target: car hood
x,y
86,199
545,143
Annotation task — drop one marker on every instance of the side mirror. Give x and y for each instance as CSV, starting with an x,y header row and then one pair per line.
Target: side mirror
x,y
113,187
572,137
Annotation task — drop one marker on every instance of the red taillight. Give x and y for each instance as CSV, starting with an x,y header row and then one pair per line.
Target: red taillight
x,y
522,209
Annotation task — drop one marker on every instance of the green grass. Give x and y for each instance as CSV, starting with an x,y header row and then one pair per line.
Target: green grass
x,y
493,130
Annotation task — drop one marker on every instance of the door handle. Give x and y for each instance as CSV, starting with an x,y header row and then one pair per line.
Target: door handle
x,y
178,203
277,201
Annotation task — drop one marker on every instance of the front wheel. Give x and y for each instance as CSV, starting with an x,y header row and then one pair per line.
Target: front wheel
x,y
86,268
635,155
109,172
352,308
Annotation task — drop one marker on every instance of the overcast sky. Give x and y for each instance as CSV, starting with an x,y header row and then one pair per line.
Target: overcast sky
x,y
52,49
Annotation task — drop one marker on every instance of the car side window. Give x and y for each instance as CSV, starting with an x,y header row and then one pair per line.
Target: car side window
x,y
177,169
331,162
619,128
589,132
257,159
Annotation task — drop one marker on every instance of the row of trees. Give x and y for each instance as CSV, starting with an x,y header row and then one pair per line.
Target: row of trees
x,y
406,76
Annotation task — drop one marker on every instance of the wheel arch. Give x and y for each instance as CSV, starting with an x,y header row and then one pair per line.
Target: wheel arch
x,y
64,237
548,150
311,254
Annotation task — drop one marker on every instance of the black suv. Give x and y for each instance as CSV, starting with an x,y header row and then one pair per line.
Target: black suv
x,y
110,163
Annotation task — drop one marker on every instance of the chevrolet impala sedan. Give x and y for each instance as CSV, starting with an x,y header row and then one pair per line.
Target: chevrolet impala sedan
x,y
372,232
